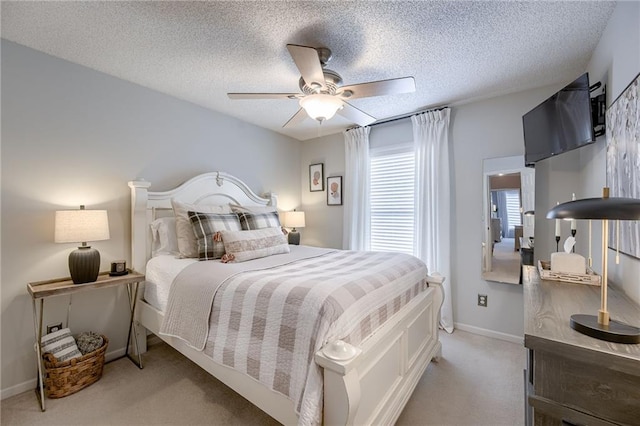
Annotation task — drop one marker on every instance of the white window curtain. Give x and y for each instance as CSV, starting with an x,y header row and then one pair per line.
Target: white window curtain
x,y
433,204
356,190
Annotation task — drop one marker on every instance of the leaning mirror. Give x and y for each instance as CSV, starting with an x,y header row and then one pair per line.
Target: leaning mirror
x,y
508,219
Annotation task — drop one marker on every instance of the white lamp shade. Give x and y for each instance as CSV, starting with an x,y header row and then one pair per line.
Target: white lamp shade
x,y
78,226
294,219
321,106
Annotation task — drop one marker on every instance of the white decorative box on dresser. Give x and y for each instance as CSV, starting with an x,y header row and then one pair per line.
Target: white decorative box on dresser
x,y
571,378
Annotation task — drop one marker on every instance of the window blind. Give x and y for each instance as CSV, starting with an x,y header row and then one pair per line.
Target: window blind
x,y
392,200
513,208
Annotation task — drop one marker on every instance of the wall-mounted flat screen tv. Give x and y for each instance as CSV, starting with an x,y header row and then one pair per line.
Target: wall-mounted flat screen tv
x,y
561,123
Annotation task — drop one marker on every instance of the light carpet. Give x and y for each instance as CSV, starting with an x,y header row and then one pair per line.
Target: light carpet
x,y
505,263
478,381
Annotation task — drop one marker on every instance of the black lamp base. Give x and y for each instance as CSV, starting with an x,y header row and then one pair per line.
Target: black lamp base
x,y
616,332
84,265
294,237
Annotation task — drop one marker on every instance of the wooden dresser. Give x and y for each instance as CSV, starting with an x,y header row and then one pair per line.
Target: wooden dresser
x,y
573,379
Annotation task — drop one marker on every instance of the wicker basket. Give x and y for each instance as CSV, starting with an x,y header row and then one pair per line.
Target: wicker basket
x,y
64,378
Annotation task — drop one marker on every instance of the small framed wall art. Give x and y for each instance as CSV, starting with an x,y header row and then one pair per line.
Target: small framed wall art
x,y
334,191
316,177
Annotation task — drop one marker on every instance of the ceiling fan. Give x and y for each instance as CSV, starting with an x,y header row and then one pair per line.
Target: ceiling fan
x,y
322,94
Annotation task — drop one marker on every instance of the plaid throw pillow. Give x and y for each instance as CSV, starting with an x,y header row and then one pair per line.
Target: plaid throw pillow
x,y
207,227
253,221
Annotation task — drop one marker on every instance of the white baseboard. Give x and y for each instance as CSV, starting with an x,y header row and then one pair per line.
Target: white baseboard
x,y
31,384
490,333
18,389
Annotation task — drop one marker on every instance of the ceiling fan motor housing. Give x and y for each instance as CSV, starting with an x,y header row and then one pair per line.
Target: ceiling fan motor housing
x,y
332,79
324,55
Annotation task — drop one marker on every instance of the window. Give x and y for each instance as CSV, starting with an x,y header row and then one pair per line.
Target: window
x,y
392,199
513,208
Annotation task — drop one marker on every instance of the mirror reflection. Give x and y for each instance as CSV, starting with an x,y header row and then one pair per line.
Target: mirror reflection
x,y
508,232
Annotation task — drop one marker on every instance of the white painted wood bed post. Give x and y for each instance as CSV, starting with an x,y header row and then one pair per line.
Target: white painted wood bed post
x,y
139,231
341,389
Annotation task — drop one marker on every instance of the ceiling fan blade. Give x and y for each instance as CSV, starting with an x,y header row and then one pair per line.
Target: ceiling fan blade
x,y
297,118
379,88
359,117
308,62
264,95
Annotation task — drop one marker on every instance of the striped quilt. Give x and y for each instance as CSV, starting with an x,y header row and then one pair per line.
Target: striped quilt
x,y
269,322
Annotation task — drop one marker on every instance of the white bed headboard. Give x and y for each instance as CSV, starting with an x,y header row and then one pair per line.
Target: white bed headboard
x,y
207,188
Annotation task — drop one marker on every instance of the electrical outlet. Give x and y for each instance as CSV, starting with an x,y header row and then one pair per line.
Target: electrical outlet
x,y
482,300
51,328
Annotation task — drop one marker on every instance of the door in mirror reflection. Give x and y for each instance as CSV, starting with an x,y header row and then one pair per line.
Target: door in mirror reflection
x,y
508,232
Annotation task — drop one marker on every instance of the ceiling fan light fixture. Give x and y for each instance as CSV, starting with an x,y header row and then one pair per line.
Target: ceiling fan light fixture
x,y
321,106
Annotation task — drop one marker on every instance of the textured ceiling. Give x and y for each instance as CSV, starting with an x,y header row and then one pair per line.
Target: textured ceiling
x,y
198,51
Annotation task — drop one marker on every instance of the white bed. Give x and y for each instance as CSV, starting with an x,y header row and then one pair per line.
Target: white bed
x,y
372,387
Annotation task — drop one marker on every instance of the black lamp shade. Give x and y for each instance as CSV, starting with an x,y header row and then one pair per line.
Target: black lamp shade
x,y
614,208
84,265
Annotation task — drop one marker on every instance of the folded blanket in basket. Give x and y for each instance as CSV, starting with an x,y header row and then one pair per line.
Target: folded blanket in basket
x,y
61,345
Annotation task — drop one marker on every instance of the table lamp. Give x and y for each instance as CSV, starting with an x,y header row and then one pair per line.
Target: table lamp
x,y
605,209
80,226
294,220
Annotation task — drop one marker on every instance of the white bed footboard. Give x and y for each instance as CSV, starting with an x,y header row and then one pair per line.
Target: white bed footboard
x,y
374,386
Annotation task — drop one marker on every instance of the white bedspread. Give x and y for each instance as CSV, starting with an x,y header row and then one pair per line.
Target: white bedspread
x,y
270,316
193,289
160,273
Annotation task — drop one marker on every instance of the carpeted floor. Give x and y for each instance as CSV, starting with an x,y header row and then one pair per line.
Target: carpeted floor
x,y
505,263
478,381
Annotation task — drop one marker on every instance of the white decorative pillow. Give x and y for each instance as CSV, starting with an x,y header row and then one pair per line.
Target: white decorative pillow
x,y
236,208
187,243
246,245
165,238
61,345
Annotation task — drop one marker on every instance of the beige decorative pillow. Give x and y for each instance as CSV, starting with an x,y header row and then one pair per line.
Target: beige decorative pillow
x,y
236,208
241,246
187,243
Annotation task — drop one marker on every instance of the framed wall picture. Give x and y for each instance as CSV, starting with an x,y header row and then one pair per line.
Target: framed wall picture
x,y
623,174
316,177
334,191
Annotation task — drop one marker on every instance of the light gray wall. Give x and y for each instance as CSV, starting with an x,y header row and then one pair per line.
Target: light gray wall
x,y
323,222
615,62
486,129
74,136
